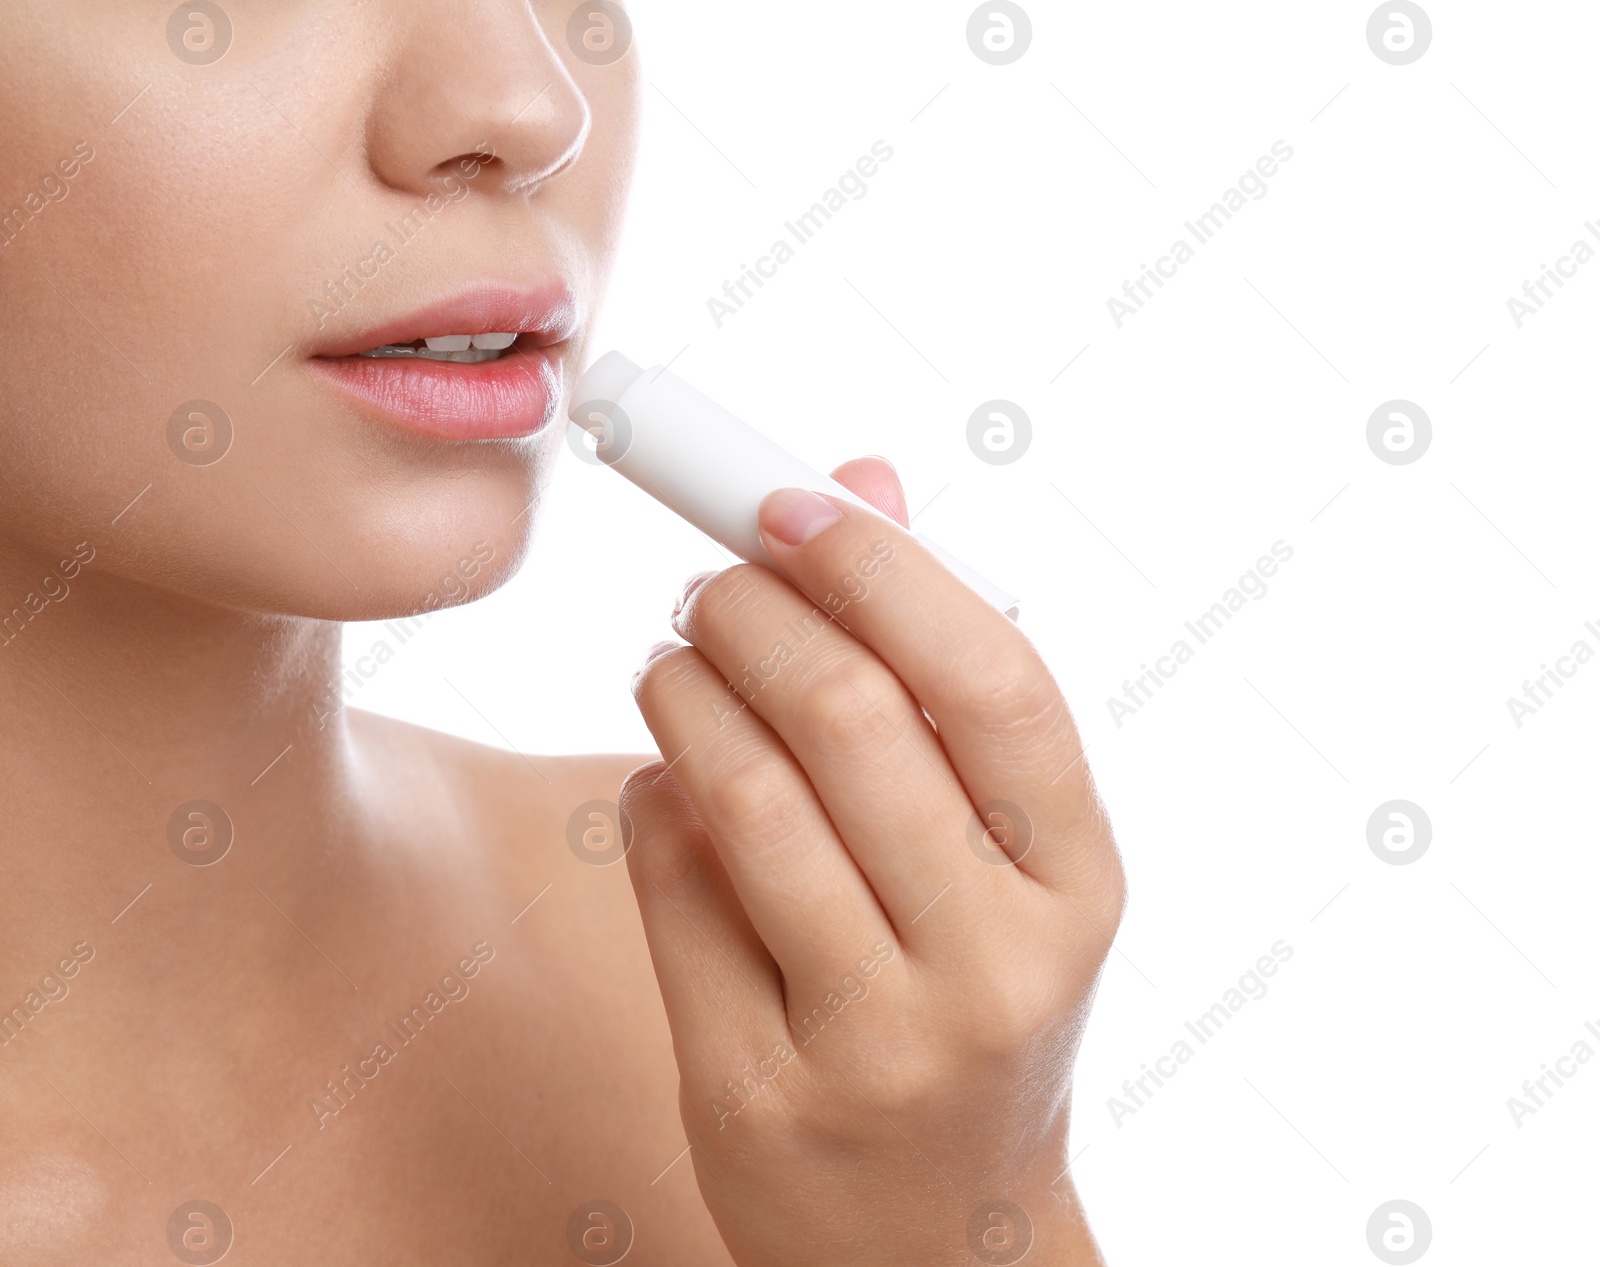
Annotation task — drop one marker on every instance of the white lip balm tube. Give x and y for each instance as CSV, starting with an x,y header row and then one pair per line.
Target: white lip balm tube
x,y
706,465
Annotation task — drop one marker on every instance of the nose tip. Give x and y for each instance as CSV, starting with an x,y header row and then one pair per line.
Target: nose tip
x,y
492,89
549,117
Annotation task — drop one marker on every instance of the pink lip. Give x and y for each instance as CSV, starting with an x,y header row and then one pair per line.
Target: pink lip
x,y
513,396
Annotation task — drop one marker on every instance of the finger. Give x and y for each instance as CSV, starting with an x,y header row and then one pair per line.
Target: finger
x,y
717,980
862,740
798,884
1000,717
874,480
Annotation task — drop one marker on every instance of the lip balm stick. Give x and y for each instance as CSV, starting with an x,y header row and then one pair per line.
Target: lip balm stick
x,y
706,465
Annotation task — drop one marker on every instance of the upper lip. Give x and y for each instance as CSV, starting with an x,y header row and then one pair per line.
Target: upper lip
x,y
546,312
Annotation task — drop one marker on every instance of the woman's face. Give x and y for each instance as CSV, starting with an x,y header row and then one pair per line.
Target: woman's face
x,y
195,248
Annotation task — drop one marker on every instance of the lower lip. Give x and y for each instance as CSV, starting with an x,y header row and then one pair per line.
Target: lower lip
x,y
514,396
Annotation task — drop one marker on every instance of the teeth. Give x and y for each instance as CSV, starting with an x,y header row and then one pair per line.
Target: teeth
x,y
469,348
469,356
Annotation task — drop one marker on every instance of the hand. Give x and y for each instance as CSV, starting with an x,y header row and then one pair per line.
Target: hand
x,y
875,1004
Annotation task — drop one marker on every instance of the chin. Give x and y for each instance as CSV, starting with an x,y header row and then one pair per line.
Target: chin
x,y
456,545
372,551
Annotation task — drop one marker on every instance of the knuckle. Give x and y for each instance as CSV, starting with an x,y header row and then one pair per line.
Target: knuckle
x,y
1012,1009
850,711
643,788
667,846
659,679
1097,879
1107,888
655,802
1007,686
752,801
1077,803
912,1085
764,1085
727,593
679,864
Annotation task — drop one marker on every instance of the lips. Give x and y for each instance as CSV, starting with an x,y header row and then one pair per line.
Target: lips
x,y
514,395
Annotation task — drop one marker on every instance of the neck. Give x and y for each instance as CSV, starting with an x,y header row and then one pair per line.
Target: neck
x,y
122,704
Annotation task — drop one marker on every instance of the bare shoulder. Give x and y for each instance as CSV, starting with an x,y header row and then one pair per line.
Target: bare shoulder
x,y
581,1008
543,832
498,778
521,802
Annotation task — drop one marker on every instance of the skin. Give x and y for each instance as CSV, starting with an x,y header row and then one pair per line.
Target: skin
x,y
573,1047
821,898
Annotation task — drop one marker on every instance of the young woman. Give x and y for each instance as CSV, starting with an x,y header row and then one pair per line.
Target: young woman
x,y
290,983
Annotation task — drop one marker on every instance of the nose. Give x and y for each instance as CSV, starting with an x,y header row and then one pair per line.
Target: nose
x,y
473,78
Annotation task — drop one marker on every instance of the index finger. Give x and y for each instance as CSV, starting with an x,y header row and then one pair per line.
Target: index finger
x,y
1000,716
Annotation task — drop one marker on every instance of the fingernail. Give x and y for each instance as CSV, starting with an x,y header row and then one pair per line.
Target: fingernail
x,y
689,587
795,515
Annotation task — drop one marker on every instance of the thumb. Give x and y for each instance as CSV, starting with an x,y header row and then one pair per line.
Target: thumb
x,y
874,480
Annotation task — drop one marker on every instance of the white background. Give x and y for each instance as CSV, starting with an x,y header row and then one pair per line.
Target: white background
x,y
1229,414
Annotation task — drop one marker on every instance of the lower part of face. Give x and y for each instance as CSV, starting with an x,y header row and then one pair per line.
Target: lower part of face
x,y
199,208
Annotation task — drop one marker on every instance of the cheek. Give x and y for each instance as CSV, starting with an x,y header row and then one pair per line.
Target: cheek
x,y
154,399
597,195
156,282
